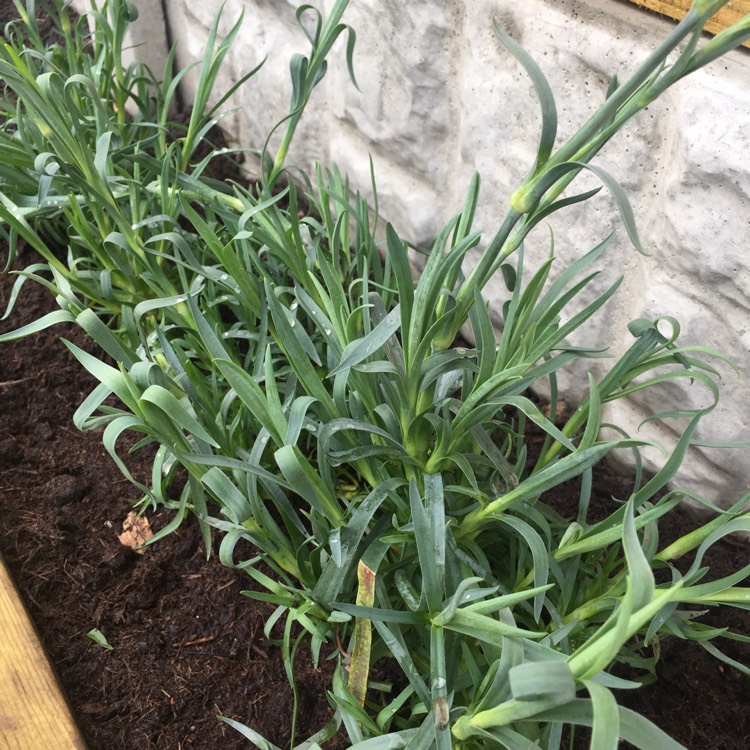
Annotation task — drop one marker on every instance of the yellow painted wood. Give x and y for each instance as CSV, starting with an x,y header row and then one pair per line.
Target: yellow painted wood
x,y
33,712
730,13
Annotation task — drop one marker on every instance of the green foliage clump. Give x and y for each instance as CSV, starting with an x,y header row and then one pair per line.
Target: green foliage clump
x,y
272,341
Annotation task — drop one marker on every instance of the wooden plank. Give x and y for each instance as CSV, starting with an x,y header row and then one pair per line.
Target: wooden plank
x,y
730,13
33,711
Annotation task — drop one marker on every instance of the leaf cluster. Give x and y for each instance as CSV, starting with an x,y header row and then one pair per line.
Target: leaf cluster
x,y
272,342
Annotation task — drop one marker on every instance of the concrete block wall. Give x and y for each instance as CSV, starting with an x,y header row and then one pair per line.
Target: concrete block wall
x,y
441,98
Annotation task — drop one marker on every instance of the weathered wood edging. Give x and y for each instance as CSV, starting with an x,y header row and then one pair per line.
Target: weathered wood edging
x,y
33,711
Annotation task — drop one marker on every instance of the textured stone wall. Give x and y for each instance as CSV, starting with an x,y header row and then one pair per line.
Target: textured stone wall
x,y
440,98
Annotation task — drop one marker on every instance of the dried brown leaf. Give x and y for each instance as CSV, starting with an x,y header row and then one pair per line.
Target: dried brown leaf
x,y
136,531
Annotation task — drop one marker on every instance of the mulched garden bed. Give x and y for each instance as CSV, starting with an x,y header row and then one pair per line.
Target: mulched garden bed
x,y
187,645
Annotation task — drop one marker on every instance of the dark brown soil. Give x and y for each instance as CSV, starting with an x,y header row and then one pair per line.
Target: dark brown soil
x,y
187,645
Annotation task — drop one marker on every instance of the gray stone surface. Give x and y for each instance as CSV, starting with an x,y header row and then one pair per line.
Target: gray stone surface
x,y
440,98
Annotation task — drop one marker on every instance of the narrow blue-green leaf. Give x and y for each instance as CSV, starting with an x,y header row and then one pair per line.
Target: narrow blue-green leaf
x,y
162,398
543,91
641,583
423,533
298,358
91,403
404,739
614,187
722,590
211,341
472,599
539,555
533,412
109,439
395,643
404,283
297,415
488,606
439,684
634,728
484,336
570,272
227,462
50,319
306,482
114,346
252,396
740,525
115,380
609,531
377,614
350,535
547,210
672,464
435,502
359,350
537,679
227,493
102,153
485,628
386,714
257,739
721,656
606,721
529,490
